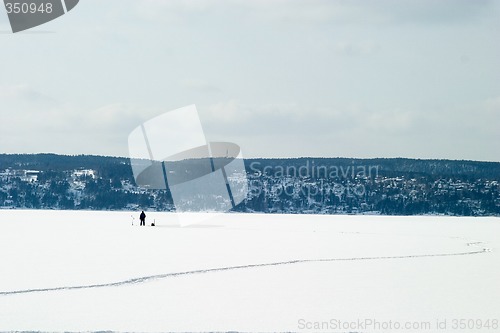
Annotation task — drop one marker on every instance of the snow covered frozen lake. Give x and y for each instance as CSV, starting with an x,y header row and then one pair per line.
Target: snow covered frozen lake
x,y
88,271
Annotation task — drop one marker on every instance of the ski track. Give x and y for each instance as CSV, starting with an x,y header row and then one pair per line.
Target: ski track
x,y
229,268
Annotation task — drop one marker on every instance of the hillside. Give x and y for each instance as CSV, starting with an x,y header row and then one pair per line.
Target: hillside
x,y
303,185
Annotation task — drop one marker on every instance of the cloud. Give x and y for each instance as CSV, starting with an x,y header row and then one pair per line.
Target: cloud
x,y
233,113
113,118
199,85
356,49
190,5
357,130
23,93
275,10
356,12
492,105
279,77
428,11
70,129
292,115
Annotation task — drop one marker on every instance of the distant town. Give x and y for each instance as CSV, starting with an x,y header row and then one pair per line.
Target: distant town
x,y
294,186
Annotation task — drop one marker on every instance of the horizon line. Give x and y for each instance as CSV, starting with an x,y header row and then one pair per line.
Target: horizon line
x,y
273,158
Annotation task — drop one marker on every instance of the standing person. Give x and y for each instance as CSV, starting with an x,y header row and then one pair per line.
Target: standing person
x,y
143,218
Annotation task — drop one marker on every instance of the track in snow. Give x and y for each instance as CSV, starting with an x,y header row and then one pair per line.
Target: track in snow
x,y
221,269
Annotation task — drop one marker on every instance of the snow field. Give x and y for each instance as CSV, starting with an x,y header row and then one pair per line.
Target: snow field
x,y
74,271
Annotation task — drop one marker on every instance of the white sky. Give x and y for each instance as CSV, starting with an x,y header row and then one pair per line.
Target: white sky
x,y
412,78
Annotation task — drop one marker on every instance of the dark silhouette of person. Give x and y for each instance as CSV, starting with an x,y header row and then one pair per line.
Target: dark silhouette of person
x,y
143,218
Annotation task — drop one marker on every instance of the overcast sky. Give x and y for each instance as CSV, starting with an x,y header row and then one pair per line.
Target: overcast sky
x,y
281,78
